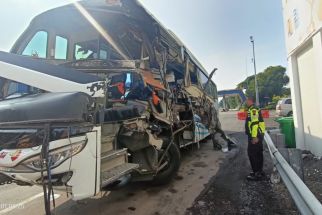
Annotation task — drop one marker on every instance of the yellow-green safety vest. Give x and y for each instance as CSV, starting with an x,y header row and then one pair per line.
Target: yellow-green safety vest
x,y
256,123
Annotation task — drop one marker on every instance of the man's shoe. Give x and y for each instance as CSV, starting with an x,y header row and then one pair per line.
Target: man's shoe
x,y
254,177
260,175
251,177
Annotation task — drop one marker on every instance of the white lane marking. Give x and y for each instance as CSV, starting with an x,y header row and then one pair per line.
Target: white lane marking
x,y
21,204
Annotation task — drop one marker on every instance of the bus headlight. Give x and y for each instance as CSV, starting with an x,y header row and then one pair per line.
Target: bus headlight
x,y
55,158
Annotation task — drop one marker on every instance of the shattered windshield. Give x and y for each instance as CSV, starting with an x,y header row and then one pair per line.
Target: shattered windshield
x,y
95,49
86,50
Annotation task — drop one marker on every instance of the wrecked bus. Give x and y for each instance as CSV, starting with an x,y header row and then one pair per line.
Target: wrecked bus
x,y
96,93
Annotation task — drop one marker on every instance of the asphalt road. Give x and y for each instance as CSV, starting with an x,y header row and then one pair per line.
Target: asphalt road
x,y
230,193
198,169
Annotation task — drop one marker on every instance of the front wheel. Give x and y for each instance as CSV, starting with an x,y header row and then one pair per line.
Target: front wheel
x,y
215,143
172,159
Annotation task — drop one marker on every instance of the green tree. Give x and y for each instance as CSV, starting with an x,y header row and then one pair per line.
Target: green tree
x,y
231,102
275,99
271,82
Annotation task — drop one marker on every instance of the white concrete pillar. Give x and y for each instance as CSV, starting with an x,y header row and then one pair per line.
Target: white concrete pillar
x,y
296,102
317,49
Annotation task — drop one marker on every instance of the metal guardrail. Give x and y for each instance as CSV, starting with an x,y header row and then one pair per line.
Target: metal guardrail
x,y
304,199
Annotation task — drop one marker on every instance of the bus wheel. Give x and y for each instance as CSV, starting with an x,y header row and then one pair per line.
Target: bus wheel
x,y
168,172
215,143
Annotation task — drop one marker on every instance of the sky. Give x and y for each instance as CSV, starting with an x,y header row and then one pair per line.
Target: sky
x,y
216,31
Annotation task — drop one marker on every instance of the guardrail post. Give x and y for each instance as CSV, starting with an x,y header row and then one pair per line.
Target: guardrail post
x,y
280,140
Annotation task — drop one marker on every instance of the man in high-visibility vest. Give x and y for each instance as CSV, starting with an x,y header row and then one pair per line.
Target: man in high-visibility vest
x,y
255,128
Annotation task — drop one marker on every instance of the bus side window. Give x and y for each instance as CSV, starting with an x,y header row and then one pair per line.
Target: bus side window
x,y
15,88
37,46
203,78
210,88
193,77
61,47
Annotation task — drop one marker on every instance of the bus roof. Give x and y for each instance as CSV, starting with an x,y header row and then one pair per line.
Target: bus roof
x,y
133,9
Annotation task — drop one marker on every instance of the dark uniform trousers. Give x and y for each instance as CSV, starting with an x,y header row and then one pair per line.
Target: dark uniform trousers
x,y
255,154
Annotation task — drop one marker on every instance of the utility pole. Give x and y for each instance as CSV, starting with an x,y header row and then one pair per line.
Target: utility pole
x,y
254,61
246,62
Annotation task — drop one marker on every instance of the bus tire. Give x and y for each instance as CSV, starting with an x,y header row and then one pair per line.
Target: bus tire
x,y
166,174
215,144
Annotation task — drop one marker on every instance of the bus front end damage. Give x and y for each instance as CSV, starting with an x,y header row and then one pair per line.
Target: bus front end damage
x,y
50,139
110,96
